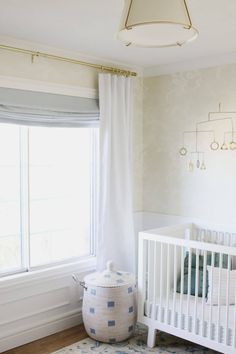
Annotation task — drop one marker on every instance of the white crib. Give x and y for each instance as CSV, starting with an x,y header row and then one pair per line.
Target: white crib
x,y
162,272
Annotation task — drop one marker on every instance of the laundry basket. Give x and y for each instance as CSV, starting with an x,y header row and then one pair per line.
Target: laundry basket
x,y
109,305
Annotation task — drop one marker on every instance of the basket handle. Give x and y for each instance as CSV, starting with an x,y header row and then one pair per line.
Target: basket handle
x,y
81,283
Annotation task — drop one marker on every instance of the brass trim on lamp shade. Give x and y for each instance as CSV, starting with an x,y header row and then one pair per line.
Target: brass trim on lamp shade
x,y
155,24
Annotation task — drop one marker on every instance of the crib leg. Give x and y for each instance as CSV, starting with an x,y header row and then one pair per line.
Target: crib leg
x,y
151,341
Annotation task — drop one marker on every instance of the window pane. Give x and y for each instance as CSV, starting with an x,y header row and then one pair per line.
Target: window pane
x,y
60,194
10,235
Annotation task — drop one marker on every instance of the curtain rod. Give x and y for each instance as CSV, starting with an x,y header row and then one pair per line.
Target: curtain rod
x,y
34,54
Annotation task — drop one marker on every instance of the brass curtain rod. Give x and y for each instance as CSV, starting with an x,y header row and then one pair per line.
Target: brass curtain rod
x,y
34,54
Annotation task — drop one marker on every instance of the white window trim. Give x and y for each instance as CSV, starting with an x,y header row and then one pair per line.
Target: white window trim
x,y
81,265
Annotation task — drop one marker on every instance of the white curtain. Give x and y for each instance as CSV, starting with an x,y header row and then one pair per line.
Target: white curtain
x,y
116,228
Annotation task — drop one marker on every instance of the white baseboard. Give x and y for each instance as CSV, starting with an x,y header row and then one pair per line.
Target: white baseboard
x,y
41,330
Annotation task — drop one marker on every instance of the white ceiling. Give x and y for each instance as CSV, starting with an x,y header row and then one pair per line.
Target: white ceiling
x,y
89,27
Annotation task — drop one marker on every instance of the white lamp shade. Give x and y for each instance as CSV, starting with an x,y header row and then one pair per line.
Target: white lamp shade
x,y
156,23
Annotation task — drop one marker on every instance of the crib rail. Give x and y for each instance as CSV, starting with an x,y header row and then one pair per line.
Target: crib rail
x,y
187,286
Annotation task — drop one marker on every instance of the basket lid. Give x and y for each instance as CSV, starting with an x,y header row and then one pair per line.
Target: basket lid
x,y
109,278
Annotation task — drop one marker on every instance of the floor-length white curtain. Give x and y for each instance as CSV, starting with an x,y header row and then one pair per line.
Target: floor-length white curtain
x,y
116,228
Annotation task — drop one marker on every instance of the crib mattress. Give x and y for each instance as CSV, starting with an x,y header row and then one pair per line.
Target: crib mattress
x,y
202,313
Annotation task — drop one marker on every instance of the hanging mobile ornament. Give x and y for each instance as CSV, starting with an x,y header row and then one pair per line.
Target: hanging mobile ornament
x,y
224,146
232,145
190,164
183,151
198,161
229,143
203,166
214,145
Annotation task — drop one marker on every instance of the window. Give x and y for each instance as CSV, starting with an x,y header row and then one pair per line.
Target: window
x,y
47,195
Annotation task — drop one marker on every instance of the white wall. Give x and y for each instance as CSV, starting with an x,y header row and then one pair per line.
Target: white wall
x,y
172,104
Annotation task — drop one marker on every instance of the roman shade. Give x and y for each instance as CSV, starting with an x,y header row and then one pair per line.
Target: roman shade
x,y
32,108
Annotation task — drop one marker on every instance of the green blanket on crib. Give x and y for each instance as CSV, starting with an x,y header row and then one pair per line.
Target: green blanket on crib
x,y
193,273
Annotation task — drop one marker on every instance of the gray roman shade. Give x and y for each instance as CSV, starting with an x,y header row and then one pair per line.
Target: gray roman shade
x,y
46,109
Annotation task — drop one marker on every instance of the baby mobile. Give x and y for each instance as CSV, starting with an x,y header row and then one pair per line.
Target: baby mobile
x,y
197,157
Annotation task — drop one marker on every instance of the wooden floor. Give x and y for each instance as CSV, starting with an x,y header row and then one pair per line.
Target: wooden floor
x,y
52,343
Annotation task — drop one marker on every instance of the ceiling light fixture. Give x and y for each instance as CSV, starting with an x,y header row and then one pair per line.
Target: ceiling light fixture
x,y
156,23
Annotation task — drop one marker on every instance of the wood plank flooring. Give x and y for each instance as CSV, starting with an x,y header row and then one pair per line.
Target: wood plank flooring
x,y
52,343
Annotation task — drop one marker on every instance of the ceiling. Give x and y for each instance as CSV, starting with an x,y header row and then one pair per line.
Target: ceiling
x,y
89,27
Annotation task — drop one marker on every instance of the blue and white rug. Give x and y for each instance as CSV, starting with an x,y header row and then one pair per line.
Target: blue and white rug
x,y
136,345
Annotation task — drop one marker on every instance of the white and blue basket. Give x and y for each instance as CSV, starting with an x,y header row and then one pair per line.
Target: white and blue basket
x,y
109,305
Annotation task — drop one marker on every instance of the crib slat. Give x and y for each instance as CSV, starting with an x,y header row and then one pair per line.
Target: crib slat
x,y
230,239
204,290
175,286
145,248
234,332
154,282
203,239
161,282
182,288
209,236
189,286
196,291
149,271
219,300
214,237
168,284
210,309
227,300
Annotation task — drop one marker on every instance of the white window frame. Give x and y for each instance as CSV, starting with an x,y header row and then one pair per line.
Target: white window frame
x,y
78,264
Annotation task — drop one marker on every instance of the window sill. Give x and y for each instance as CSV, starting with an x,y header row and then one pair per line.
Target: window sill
x,y
81,266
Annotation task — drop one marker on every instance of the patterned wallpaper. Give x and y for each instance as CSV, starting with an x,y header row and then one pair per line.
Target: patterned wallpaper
x,y
172,104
